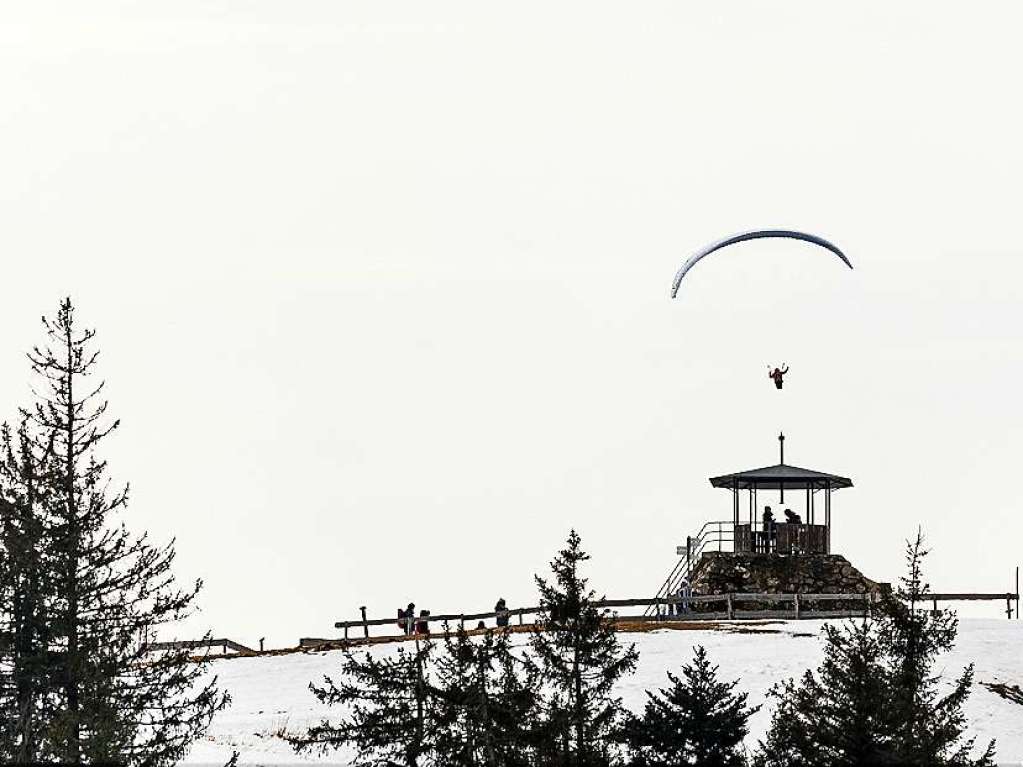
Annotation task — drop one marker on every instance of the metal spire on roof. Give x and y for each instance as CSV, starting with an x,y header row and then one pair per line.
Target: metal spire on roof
x,y
781,449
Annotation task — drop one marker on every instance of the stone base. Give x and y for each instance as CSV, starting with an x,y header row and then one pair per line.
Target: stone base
x,y
720,572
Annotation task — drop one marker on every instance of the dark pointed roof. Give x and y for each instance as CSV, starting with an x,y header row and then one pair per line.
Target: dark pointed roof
x,y
773,477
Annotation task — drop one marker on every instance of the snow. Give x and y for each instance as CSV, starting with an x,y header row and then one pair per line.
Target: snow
x,y
271,693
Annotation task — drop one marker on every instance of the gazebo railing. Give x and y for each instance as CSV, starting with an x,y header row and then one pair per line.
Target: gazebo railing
x,y
782,538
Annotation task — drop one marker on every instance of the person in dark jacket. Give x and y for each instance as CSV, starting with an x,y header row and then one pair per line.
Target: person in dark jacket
x,y
423,625
769,530
501,608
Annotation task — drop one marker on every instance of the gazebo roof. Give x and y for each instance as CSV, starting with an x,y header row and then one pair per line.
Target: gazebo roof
x,y
779,475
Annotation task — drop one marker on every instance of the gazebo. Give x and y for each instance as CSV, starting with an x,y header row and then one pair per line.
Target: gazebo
x,y
796,533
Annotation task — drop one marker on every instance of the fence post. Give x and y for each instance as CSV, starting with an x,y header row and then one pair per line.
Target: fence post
x,y
797,606
365,628
346,631
731,613
520,616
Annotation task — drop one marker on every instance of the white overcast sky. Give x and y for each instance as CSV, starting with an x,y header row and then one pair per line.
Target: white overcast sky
x,y
382,288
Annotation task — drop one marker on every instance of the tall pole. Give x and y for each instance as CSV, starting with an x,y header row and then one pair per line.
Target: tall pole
x,y
781,450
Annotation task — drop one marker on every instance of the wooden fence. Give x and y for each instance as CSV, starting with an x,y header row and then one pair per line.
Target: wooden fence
x,y
741,605
192,644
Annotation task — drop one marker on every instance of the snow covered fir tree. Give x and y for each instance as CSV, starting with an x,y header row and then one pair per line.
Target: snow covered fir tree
x,y
82,595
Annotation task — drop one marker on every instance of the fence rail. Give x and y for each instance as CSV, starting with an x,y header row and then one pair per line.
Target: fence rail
x,y
735,606
707,599
192,644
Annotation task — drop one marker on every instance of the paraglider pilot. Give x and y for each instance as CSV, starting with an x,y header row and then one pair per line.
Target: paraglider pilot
x,y
777,374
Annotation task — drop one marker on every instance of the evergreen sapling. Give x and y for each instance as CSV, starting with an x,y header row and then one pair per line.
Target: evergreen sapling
x,y
698,720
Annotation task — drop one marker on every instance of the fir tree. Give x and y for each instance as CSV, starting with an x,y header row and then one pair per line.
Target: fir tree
x,y
875,698
928,727
106,698
580,661
464,702
698,720
24,588
391,717
838,716
487,699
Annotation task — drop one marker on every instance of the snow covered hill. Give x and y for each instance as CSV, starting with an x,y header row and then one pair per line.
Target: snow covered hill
x,y
271,693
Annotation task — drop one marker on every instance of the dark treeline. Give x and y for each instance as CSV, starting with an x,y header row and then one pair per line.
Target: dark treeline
x,y
487,701
80,595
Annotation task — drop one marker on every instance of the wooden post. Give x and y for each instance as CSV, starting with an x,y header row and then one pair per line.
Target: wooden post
x,y
797,606
461,621
520,616
731,614
365,628
1008,607
346,631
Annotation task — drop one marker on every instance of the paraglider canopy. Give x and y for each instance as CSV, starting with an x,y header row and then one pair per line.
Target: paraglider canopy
x,y
754,235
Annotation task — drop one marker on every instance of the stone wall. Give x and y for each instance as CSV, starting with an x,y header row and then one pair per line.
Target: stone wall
x,y
724,572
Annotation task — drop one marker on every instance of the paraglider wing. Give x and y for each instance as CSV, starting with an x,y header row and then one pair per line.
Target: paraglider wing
x,y
757,235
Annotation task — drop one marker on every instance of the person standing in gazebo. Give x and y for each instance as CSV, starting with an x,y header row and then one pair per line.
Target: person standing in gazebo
x,y
769,531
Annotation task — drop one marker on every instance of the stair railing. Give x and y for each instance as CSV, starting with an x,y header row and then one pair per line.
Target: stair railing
x,y
714,533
